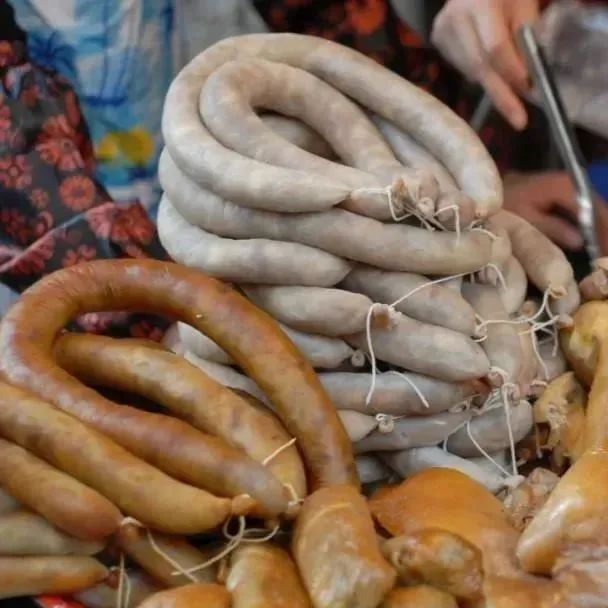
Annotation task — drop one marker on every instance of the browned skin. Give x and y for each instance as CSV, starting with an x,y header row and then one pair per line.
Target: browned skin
x,y
576,511
197,595
169,444
336,549
523,502
248,335
25,533
135,542
137,488
287,465
418,597
437,558
595,285
265,576
187,392
63,501
562,407
21,576
445,499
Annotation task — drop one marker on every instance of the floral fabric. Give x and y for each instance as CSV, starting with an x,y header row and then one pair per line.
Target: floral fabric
x,y
54,212
117,55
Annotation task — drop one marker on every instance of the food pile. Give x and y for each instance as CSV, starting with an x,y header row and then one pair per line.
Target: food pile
x,y
364,216
377,329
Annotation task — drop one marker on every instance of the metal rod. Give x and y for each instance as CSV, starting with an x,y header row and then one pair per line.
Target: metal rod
x,y
563,135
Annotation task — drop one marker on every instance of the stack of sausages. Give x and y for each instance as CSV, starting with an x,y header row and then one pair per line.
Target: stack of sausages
x,y
364,216
82,475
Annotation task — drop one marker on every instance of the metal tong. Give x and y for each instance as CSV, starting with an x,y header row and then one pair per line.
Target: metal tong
x,y
563,135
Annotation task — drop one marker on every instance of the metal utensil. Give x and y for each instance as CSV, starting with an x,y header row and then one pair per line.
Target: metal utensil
x,y
563,135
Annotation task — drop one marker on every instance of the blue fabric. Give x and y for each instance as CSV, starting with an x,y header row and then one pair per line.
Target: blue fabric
x,y
598,174
117,55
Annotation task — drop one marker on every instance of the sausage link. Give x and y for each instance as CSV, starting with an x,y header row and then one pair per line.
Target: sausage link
x,y
137,488
188,393
248,335
24,533
135,542
197,594
63,501
265,576
22,576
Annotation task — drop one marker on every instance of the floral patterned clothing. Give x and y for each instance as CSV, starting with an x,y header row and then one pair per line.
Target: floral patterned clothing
x,y
53,211
117,56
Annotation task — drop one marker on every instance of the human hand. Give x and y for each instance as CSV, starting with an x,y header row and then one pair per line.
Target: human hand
x,y
478,38
547,201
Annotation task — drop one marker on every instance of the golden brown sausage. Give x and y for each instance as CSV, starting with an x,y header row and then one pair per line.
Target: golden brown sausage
x,y
21,576
190,394
575,511
336,550
264,576
24,533
248,335
63,501
450,501
418,597
137,488
286,464
175,447
197,595
437,558
135,542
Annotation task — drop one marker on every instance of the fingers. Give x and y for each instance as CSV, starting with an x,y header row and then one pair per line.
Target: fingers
x,y
478,38
498,42
504,99
456,39
559,230
555,187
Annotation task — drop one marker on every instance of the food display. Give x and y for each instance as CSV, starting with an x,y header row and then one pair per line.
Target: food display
x,y
380,390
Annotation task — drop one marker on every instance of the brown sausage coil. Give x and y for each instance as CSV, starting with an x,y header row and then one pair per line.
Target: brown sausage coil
x,y
248,335
63,501
188,393
137,488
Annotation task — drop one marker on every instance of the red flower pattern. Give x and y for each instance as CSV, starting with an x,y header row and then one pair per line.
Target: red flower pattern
x,y
57,127
39,198
15,224
83,253
100,221
56,214
62,153
15,172
34,259
77,192
42,224
132,224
